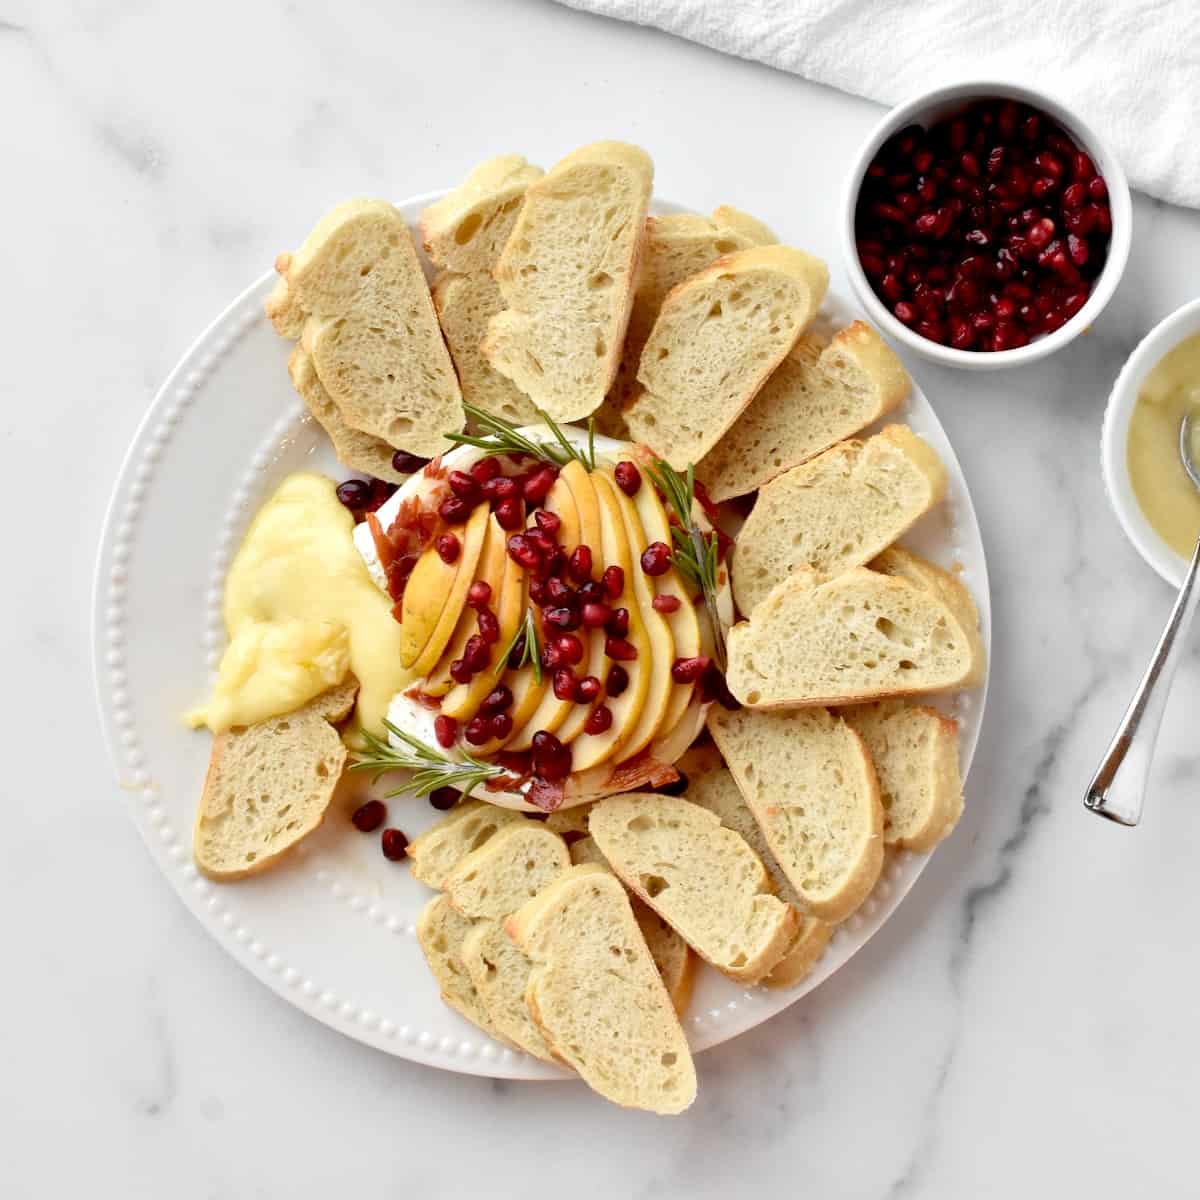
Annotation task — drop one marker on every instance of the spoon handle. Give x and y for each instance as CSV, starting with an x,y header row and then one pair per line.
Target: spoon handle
x,y
1118,789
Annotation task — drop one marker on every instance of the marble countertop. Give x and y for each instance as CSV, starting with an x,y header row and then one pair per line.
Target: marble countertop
x,y
1028,1015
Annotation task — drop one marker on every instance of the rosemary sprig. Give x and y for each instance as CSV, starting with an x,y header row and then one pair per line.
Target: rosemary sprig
x,y
431,770
696,553
501,437
526,637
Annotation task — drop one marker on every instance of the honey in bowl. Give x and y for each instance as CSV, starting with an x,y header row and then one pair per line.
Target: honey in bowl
x,y
1166,495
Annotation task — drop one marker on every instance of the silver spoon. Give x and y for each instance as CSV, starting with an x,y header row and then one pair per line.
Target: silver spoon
x,y
1118,790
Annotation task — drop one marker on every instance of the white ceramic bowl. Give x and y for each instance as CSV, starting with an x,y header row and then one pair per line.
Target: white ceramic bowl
x,y
942,102
1167,334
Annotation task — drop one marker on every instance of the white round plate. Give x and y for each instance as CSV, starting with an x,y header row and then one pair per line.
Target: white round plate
x,y
331,929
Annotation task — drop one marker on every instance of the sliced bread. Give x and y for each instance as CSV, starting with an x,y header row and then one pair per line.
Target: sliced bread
x,y
269,785
807,778
672,955
718,337
858,636
677,246
836,511
822,392
508,869
915,753
464,233
466,827
370,327
701,878
567,276
357,450
812,936
569,822
597,996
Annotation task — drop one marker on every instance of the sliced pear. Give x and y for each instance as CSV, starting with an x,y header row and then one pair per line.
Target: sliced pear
x,y
577,477
490,569
684,624
435,585
464,699
662,643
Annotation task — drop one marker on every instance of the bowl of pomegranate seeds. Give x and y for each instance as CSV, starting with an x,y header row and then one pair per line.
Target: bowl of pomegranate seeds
x,y
986,225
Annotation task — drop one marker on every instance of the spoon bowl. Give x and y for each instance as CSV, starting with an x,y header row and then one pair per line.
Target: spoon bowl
x,y
1189,448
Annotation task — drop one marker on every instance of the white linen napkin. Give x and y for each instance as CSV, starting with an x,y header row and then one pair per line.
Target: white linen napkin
x,y
1131,68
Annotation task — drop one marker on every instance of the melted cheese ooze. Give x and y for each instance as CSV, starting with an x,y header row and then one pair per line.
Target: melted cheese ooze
x,y
301,609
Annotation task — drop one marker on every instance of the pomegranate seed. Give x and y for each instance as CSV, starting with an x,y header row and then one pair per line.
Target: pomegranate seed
x,y
1097,189
501,725
599,720
666,604
394,845
587,689
925,224
478,731
562,618
1074,196
496,701
1082,167
537,591
579,565
448,548
464,486
369,816
538,484
871,263
618,622
891,287
443,798
543,543
596,616
591,592
454,510
500,487
1040,232
923,160
1031,127
508,514
570,648
905,312
1041,188
958,134
556,564
889,212
489,626
558,592
1007,117
476,653
523,552
564,684
460,672
620,649
616,681
628,477
445,729
517,654
909,201
407,464
1049,164
688,670
354,493
545,743
551,656
1078,249
614,581
549,523
1073,303
552,768
479,593
486,469
1102,218
656,558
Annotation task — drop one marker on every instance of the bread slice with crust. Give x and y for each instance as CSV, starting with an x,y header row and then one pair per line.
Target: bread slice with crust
x,y
672,955
567,276
466,827
836,511
369,326
915,752
269,785
846,639
700,877
597,996
824,391
677,246
357,450
718,337
808,780
718,792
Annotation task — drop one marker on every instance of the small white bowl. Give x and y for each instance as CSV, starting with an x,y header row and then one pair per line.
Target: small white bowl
x,y
942,102
1114,439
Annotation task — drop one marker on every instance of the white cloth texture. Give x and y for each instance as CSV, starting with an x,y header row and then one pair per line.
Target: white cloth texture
x,y
1130,68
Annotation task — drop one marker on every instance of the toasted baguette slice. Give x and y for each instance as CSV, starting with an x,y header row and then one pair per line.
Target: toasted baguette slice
x,y
567,276
915,752
858,636
677,247
596,994
370,327
836,511
270,785
508,869
946,585
718,792
821,393
718,337
441,932
357,450
466,229
701,878
672,955
808,780
466,827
